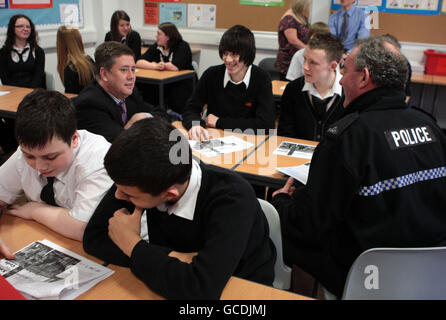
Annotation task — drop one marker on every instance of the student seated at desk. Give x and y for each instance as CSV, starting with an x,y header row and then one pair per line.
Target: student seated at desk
x,y
376,180
237,93
170,52
58,168
204,224
111,103
75,68
121,31
22,64
312,102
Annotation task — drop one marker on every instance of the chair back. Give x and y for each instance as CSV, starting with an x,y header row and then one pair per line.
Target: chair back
x,y
267,64
398,273
282,273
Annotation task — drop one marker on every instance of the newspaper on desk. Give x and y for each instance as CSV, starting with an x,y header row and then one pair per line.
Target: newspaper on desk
x,y
215,147
296,150
44,270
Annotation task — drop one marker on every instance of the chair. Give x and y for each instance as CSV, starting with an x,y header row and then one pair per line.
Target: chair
x,y
282,277
267,64
398,273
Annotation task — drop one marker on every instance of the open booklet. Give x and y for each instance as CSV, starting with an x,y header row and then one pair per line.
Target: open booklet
x,y
44,270
299,173
215,147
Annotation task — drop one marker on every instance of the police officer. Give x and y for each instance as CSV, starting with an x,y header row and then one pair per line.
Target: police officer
x,y
378,179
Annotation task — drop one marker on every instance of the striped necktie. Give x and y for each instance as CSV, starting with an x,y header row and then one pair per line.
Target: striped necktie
x,y
123,111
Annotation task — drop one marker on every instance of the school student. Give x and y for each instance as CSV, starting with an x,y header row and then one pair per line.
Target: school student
x,y
170,52
238,94
204,224
121,31
58,168
110,103
295,69
22,64
311,103
75,68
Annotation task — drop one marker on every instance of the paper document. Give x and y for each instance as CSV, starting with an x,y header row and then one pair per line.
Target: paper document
x,y
2,93
296,150
215,147
44,270
300,173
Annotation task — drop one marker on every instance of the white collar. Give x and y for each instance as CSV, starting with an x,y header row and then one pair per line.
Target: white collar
x,y
185,206
335,89
246,79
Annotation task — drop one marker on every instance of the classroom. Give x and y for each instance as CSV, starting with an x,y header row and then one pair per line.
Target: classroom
x,y
325,184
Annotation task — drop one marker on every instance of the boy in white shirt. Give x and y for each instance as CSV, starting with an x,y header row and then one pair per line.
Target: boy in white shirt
x,y
54,155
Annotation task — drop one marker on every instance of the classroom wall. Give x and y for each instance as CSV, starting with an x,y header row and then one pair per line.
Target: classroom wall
x,y
97,15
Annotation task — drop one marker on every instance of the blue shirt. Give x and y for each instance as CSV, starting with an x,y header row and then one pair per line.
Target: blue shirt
x,y
356,27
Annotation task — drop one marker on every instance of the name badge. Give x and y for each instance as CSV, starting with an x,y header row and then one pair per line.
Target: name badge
x,y
409,137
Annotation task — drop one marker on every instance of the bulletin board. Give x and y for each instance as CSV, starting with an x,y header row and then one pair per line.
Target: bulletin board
x,y
61,12
256,18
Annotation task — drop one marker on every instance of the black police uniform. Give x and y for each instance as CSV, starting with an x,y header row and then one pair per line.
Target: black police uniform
x,y
376,180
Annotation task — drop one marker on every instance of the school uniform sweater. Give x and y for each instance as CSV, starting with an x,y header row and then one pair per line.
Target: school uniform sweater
x,y
236,106
229,231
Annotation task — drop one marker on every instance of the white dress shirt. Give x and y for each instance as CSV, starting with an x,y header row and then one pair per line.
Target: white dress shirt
x,y
246,79
80,187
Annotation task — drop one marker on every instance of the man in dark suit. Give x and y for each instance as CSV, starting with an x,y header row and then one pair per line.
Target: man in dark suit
x,y
111,103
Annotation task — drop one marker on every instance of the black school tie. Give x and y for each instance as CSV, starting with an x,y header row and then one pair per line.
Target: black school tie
x,y
20,54
47,193
320,106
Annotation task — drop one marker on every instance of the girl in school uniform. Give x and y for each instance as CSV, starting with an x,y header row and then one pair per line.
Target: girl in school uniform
x,y
121,31
22,60
75,68
22,64
170,52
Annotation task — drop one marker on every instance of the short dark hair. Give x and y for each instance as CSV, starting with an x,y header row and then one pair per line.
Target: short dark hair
x,y
172,32
43,115
392,40
10,33
106,53
141,157
114,23
239,40
329,43
387,68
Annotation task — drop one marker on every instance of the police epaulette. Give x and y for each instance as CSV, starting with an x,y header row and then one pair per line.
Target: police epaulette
x,y
339,126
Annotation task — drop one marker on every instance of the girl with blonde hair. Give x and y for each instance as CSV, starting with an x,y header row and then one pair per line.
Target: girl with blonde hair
x,y
75,68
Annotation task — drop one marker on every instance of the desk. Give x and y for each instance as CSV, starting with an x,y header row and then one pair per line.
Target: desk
x,y
122,285
9,102
260,166
228,160
162,78
277,91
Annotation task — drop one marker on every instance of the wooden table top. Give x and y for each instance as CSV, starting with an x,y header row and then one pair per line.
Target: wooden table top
x,y
263,162
122,284
277,87
160,75
9,102
228,160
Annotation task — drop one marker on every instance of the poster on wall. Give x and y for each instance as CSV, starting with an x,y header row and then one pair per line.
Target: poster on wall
x,y
31,4
378,4
151,13
173,12
62,12
265,3
443,6
413,6
201,16
3,4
